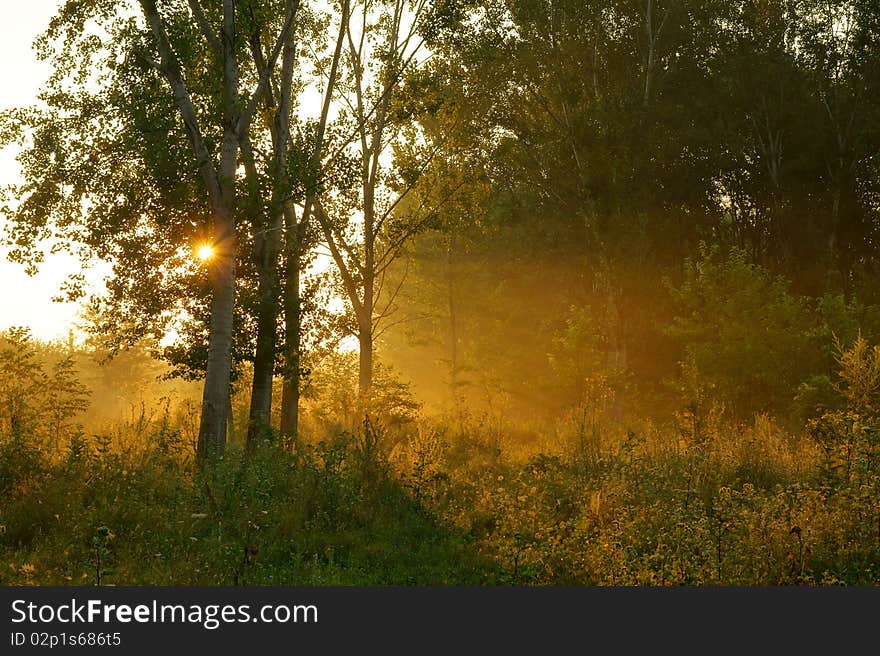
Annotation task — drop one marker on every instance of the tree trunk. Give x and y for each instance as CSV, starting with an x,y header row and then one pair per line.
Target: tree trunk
x,y
259,417
365,370
290,404
268,237
452,306
365,320
295,245
293,344
230,421
215,399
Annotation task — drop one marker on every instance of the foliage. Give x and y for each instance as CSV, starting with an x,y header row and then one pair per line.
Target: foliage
x,y
849,436
860,376
37,405
744,331
330,514
463,504
653,310
742,508
333,400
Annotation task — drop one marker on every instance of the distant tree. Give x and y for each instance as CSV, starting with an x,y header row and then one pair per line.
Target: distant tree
x,y
22,382
742,329
40,390
66,397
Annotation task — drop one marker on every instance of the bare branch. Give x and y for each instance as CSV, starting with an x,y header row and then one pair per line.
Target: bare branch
x,y
328,94
416,179
146,59
389,305
351,287
379,101
392,251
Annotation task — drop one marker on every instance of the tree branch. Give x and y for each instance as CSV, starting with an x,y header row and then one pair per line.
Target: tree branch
x,y
202,21
169,66
410,186
263,83
348,281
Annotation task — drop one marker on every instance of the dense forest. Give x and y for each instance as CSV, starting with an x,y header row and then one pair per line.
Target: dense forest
x,y
450,292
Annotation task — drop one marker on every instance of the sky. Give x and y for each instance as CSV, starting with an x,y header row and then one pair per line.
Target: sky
x,y
28,299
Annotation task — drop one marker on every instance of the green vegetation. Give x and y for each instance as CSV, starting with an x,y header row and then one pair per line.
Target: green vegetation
x,y
325,516
456,500
450,291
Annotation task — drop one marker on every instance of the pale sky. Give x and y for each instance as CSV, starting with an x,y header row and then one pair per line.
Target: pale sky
x,y
28,300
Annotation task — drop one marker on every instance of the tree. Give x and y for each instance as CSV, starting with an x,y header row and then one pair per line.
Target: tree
x,y
607,170
22,379
743,330
366,227
108,130
297,234
40,390
220,182
271,212
66,397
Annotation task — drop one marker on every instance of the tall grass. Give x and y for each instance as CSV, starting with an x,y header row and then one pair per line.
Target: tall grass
x,y
441,503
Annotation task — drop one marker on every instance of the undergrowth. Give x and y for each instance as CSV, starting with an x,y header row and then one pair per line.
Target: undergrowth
x,y
746,505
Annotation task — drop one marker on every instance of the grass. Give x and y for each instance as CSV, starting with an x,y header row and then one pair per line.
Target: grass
x,y
436,505
324,516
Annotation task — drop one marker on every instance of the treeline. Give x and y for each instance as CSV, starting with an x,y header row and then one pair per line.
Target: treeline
x,y
526,206
672,197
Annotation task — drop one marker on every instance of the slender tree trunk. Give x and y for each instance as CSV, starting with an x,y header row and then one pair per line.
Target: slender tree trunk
x,y
649,57
266,260
365,320
230,421
295,245
215,398
290,391
365,370
268,291
259,417
268,237
453,317
835,222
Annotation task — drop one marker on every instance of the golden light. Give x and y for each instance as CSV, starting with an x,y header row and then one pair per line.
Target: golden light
x,y
205,252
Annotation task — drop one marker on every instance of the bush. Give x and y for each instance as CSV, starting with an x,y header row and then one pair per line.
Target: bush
x,y
744,331
37,402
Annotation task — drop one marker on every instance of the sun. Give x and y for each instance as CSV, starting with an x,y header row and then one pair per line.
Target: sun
x,y
205,252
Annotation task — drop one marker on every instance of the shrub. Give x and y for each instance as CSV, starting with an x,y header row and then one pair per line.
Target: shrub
x,y
744,332
34,404
860,376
